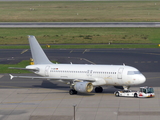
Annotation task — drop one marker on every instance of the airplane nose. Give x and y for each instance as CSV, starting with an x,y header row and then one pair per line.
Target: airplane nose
x,y
142,79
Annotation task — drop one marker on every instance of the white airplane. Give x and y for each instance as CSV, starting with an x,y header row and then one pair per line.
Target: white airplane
x,y
81,77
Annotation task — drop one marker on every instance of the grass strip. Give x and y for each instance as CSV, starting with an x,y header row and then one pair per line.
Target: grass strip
x,y
79,11
86,46
96,36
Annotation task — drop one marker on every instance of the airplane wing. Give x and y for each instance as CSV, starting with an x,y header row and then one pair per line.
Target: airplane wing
x,y
52,78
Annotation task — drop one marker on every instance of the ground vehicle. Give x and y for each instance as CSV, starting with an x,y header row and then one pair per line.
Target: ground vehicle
x,y
144,92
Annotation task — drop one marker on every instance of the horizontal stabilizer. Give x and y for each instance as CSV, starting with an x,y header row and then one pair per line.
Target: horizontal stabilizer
x,y
30,77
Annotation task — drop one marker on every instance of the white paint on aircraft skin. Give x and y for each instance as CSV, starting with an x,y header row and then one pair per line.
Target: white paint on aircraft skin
x,y
81,77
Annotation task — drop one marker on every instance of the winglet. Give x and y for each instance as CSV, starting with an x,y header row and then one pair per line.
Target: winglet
x,y
11,76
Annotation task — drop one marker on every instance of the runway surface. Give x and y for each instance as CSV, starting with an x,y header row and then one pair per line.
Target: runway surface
x,y
29,99
76,24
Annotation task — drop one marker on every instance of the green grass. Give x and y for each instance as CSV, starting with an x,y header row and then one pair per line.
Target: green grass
x,y
86,46
80,11
88,37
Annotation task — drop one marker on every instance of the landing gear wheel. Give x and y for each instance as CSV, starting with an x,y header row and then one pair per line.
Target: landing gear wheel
x,y
75,92
99,89
135,95
117,94
72,92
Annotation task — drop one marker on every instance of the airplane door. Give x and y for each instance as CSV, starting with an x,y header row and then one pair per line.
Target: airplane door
x,y
120,71
47,71
89,72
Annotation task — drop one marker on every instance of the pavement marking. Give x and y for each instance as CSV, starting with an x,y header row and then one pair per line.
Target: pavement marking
x,y
151,53
1,76
89,61
50,117
18,103
71,51
24,51
153,78
146,62
133,113
86,50
155,61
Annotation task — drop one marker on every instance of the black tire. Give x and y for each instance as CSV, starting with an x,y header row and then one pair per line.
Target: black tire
x,y
71,92
117,94
75,92
98,89
135,95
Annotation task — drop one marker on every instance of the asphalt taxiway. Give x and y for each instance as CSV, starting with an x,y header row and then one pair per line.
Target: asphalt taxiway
x,y
146,60
29,99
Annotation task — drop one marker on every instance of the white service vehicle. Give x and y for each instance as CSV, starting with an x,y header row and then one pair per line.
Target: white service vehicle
x,y
144,92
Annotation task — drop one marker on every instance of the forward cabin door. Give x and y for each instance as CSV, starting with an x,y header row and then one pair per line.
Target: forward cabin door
x,y
119,75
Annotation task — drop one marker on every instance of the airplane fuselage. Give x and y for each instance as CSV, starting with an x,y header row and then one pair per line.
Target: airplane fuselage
x,y
116,75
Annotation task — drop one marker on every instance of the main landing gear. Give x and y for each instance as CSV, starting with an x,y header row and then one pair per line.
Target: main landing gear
x,y
126,87
72,92
99,89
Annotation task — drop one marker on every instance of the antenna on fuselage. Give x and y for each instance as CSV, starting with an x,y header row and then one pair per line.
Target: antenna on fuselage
x,y
124,64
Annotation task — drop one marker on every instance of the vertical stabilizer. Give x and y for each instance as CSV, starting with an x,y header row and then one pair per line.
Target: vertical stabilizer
x,y
38,54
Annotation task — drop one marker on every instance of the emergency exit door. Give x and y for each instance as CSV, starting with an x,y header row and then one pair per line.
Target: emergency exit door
x,y
47,71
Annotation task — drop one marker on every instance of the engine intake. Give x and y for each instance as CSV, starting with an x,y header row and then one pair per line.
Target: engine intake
x,y
83,87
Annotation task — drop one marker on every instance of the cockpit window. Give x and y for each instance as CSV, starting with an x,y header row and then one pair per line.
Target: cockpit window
x,y
133,72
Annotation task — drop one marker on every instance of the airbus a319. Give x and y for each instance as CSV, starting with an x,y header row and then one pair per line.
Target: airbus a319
x,y
81,77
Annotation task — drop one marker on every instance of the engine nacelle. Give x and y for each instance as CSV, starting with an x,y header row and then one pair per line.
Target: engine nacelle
x,y
83,87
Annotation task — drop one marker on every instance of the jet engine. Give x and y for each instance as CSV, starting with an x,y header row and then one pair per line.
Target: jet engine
x,y
83,87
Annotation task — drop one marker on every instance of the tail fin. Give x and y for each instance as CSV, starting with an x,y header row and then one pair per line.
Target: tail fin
x,y
38,54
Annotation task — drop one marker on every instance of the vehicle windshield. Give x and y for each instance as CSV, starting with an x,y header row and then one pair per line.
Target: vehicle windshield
x,y
147,90
150,90
133,72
